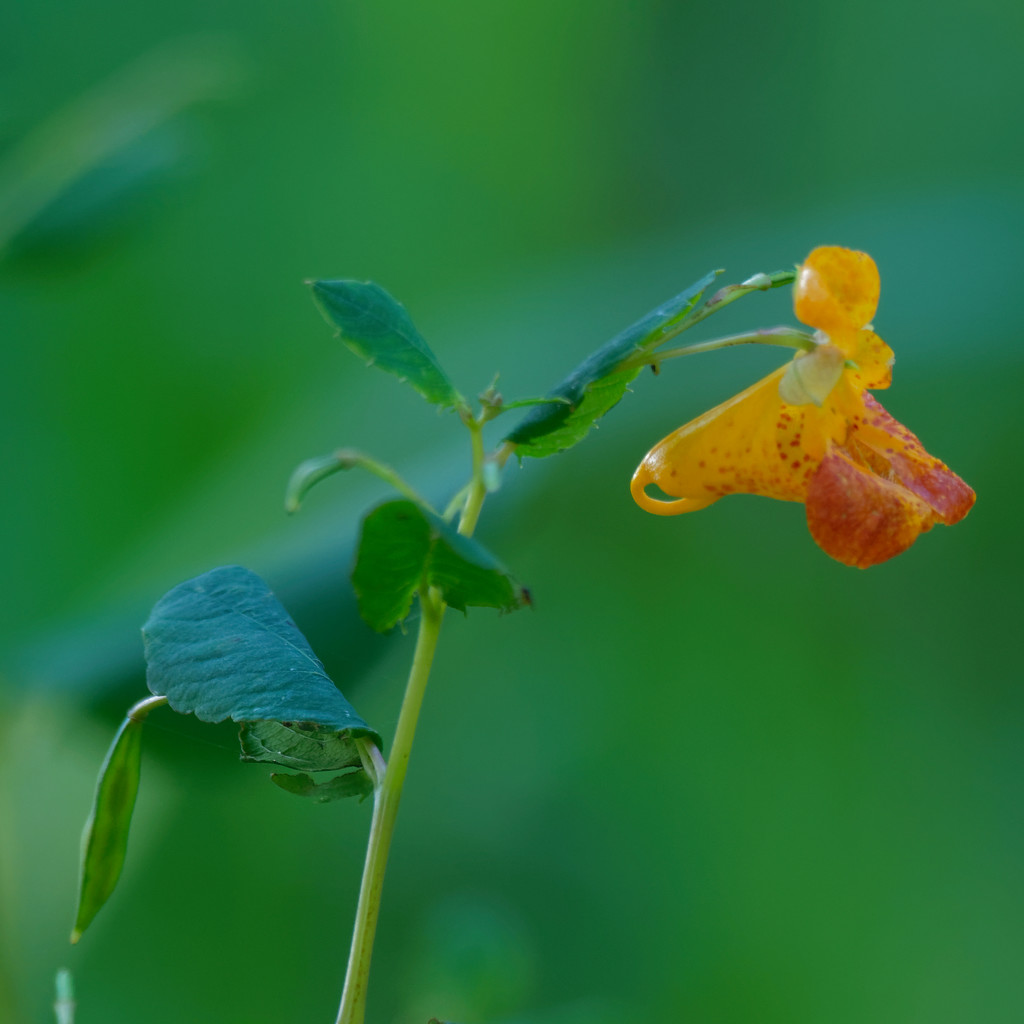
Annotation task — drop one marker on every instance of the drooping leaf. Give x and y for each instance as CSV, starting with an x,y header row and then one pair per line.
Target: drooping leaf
x,y
301,745
222,646
599,381
105,838
403,546
340,788
377,327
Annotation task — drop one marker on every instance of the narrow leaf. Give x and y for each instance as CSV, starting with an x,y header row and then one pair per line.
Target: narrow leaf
x,y
403,547
222,646
105,838
377,327
598,383
340,788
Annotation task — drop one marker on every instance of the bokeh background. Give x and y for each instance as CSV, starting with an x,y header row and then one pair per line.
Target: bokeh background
x,y
713,776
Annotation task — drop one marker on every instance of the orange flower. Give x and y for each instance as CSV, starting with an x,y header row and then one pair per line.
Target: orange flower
x,y
810,432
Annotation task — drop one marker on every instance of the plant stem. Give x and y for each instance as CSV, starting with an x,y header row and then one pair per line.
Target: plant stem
x,y
477,488
138,712
386,798
389,779
64,1006
731,292
312,471
788,337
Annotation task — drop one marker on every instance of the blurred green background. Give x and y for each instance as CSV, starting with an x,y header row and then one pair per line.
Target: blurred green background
x,y
713,776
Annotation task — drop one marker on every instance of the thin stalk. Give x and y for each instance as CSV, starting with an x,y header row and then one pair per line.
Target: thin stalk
x,y
731,292
457,502
389,779
477,487
64,1005
312,471
138,712
386,798
788,337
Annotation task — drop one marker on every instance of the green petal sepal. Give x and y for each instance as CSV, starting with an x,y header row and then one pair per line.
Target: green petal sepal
x,y
601,380
404,547
376,326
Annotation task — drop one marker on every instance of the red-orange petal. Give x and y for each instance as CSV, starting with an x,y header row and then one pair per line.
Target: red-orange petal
x,y
923,474
860,518
836,289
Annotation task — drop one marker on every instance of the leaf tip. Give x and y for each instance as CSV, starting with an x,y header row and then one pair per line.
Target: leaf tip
x,y
76,934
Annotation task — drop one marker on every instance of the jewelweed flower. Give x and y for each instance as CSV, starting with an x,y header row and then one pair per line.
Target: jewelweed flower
x,y
811,432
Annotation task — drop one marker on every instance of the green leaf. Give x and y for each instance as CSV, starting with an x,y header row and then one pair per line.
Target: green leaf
x,y
731,292
339,788
105,838
222,646
377,327
404,547
467,573
300,745
391,559
599,381
597,399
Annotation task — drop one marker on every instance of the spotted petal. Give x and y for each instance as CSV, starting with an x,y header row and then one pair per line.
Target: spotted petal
x,y
754,444
872,360
917,471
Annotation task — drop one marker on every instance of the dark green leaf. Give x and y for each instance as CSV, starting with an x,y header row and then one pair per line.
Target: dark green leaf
x,y
105,839
597,399
340,788
222,646
403,547
598,383
467,573
377,327
391,559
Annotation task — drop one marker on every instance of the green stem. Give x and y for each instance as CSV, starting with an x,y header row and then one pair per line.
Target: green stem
x,y
312,471
389,779
387,796
731,292
477,487
64,1005
788,337
138,712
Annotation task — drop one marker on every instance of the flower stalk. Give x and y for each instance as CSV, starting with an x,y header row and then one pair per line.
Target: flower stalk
x,y
386,797
389,778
